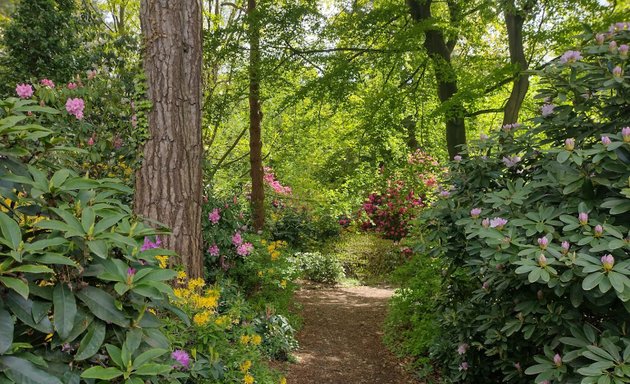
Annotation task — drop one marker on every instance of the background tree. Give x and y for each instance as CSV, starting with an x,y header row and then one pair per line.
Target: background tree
x,y
168,185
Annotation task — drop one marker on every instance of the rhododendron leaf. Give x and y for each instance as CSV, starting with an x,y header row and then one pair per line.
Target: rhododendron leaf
x,y
65,310
10,231
147,356
152,369
15,284
101,373
6,330
102,305
91,342
563,156
592,280
24,372
618,281
10,121
37,108
98,247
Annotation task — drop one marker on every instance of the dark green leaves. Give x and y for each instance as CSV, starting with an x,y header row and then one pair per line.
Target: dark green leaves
x,y
65,310
103,306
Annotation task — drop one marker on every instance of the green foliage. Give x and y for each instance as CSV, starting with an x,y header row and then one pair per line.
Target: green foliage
x,y
74,280
320,268
557,280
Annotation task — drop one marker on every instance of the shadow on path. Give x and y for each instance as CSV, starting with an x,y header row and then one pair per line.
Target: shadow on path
x,y
341,340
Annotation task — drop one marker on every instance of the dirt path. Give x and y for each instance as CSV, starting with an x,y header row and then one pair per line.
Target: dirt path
x,y
340,342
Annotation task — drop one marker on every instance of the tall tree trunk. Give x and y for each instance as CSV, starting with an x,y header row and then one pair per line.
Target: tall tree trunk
x,y
168,185
409,127
514,24
439,51
255,119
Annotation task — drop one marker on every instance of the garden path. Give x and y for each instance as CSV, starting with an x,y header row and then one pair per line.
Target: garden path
x,y
341,340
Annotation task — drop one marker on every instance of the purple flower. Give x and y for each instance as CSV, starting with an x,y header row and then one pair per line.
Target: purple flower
x,y
557,360
498,223
511,161
475,212
547,109
181,357
457,158
463,366
214,216
569,144
214,250
600,37
47,83
608,261
508,127
617,72
623,51
462,348
583,218
543,242
445,193
625,132
570,57
599,230
237,239
565,247
485,222
542,260
244,249
131,271
148,244
485,285
24,91
612,47
606,140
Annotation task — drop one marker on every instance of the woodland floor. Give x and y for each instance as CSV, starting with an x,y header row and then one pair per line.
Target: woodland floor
x,y
341,338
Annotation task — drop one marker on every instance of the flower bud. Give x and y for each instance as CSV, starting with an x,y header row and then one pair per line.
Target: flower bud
x,y
617,72
600,38
542,260
623,51
606,140
599,230
569,144
557,360
625,132
485,222
565,247
543,242
583,217
608,261
475,212
612,47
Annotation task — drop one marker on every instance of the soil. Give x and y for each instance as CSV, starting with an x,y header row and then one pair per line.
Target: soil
x,y
341,338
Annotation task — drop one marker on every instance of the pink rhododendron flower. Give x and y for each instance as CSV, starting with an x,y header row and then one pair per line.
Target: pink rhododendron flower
x,y
565,247
542,260
606,140
570,57
214,216
511,161
583,218
237,239
623,51
445,194
457,158
462,348
485,222
543,242
599,230
557,360
600,37
24,91
244,249
90,141
91,74
214,250
617,71
498,223
612,46
47,83
547,109
72,85
608,262
181,357
463,366
75,107
475,212
625,133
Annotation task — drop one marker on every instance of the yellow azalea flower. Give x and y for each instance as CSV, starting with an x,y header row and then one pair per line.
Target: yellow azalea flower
x,y
275,255
260,273
181,275
222,321
283,283
196,283
207,302
283,380
256,339
248,379
246,365
201,318
162,260
244,339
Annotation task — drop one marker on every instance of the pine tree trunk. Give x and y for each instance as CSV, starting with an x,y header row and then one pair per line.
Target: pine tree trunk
x,y
439,51
255,119
168,185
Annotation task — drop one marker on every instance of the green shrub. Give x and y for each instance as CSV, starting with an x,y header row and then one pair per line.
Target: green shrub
x,y
534,237
319,268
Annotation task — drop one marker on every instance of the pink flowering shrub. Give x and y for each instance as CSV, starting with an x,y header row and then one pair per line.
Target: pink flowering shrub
x,y
533,254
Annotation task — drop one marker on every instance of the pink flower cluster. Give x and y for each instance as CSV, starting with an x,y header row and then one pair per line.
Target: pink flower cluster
x,y
148,244
570,57
75,107
214,216
213,250
242,249
270,179
47,83
24,91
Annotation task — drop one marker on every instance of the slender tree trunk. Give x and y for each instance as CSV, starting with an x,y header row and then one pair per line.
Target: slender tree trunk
x,y
514,25
409,126
255,119
439,51
168,185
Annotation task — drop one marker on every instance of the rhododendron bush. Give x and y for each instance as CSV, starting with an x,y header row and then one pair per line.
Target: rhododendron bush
x,y
533,237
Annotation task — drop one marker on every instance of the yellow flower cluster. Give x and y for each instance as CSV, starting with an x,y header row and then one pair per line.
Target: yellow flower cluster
x,y
248,379
254,339
274,248
25,220
245,366
119,169
283,380
162,260
202,302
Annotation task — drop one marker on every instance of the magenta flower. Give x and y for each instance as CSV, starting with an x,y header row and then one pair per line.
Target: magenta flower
x,y
583,218
623,51
237,239
599,230
612,47
606,140
617,72
72,86
462,348
600,37
148,244
463,366
47,83
565,247
498,223
24,91
542,260
244,249
570,57
213,250
457,158
90,141
485,222
608,261
557,360
181,357
75,107
475,212
214,216
547,109
543,242
569,144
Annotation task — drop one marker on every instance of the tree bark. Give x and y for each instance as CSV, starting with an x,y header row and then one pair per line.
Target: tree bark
x,y
409,126
514,25
255,119
168,185
439,51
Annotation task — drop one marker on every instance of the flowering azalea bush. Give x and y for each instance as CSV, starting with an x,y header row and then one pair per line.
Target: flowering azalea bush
x,y
532,240
400,195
